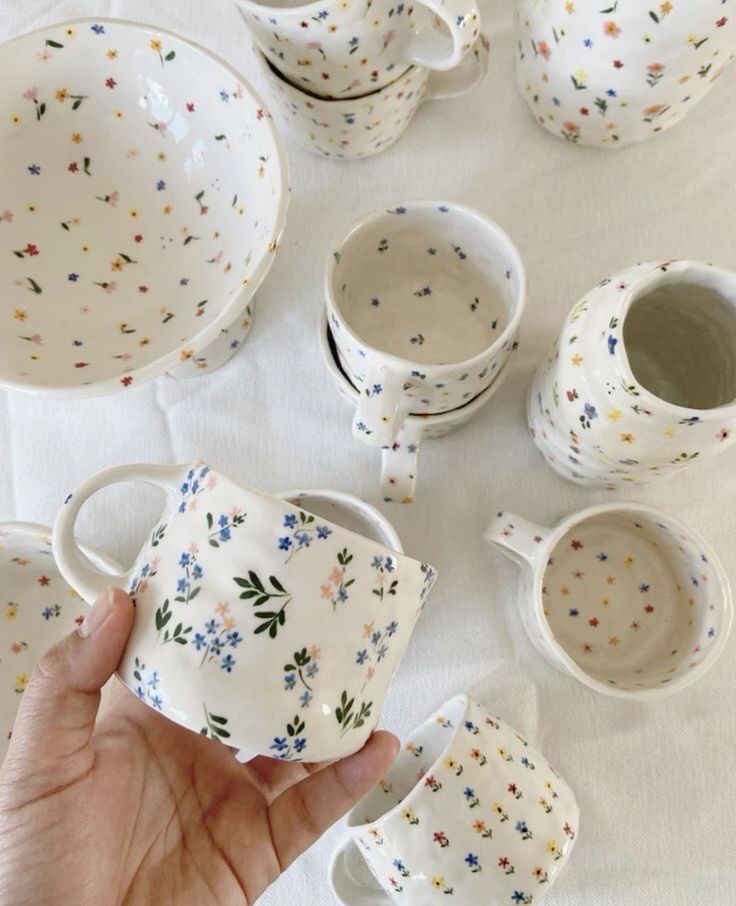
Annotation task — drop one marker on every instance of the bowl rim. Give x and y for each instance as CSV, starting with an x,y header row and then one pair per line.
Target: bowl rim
x,y
236,305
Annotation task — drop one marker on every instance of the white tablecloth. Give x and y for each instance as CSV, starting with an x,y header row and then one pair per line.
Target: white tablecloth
x,y
656,783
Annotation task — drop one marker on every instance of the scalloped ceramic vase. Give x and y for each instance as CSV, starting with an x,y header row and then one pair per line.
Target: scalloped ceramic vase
x,y
641,383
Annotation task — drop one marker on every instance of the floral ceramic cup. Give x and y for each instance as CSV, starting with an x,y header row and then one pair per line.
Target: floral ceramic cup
x,y
488,820
400,461
234,584
424,301
610,74
628,601
38,609
360,127
642,380
338,49
145,194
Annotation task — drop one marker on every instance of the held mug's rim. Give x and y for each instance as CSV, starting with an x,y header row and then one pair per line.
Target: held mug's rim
x,y
418,788
354,503
430,419
657,276
264,9
271,500
435,368
540,568
241,298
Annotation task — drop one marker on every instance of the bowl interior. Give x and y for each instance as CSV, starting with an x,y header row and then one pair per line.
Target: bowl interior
x,y
632,600
143,193
431,283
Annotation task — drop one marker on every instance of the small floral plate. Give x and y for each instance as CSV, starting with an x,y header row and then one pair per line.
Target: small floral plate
x,y
144,194
37,609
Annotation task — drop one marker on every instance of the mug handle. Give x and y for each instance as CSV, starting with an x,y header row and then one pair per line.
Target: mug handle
x,y
351,879
518,538
428,46
399,465
377,418
74,565
464,78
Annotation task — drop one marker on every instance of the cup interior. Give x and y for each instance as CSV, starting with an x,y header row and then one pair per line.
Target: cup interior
x,y
425,747
427,282
632,600
680,339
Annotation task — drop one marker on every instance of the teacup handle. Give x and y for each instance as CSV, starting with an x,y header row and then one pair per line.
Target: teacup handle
x,y
351,879
400,463
518,538
74,565
377,417
429,48
464,78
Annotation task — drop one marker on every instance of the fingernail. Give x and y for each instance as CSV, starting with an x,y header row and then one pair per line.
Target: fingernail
x,y
98,614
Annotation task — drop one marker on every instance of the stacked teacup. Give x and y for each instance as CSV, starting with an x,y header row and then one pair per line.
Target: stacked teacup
x,y
423,306
345,78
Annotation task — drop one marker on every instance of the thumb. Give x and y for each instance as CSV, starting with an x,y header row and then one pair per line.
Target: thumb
x,y
57,714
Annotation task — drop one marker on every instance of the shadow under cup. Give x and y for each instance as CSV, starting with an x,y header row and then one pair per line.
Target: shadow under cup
x,y
634,602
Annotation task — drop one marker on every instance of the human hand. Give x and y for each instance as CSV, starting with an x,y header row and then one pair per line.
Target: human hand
x,y
133,809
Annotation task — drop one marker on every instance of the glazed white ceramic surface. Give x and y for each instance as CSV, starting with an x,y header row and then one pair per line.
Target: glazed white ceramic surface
x,y
470,813
145,192
629,601
350,48
234,583
400,461
609,74
347,511
424,301
363,126
38,609
642,380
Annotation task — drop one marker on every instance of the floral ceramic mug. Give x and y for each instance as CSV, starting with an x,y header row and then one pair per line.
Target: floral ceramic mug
x,y
400,461
234,585
424,301
469,811
641,383
341,49
628,601
360,127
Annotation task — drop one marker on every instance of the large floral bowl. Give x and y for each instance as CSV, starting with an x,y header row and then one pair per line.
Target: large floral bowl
x,y
144,194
